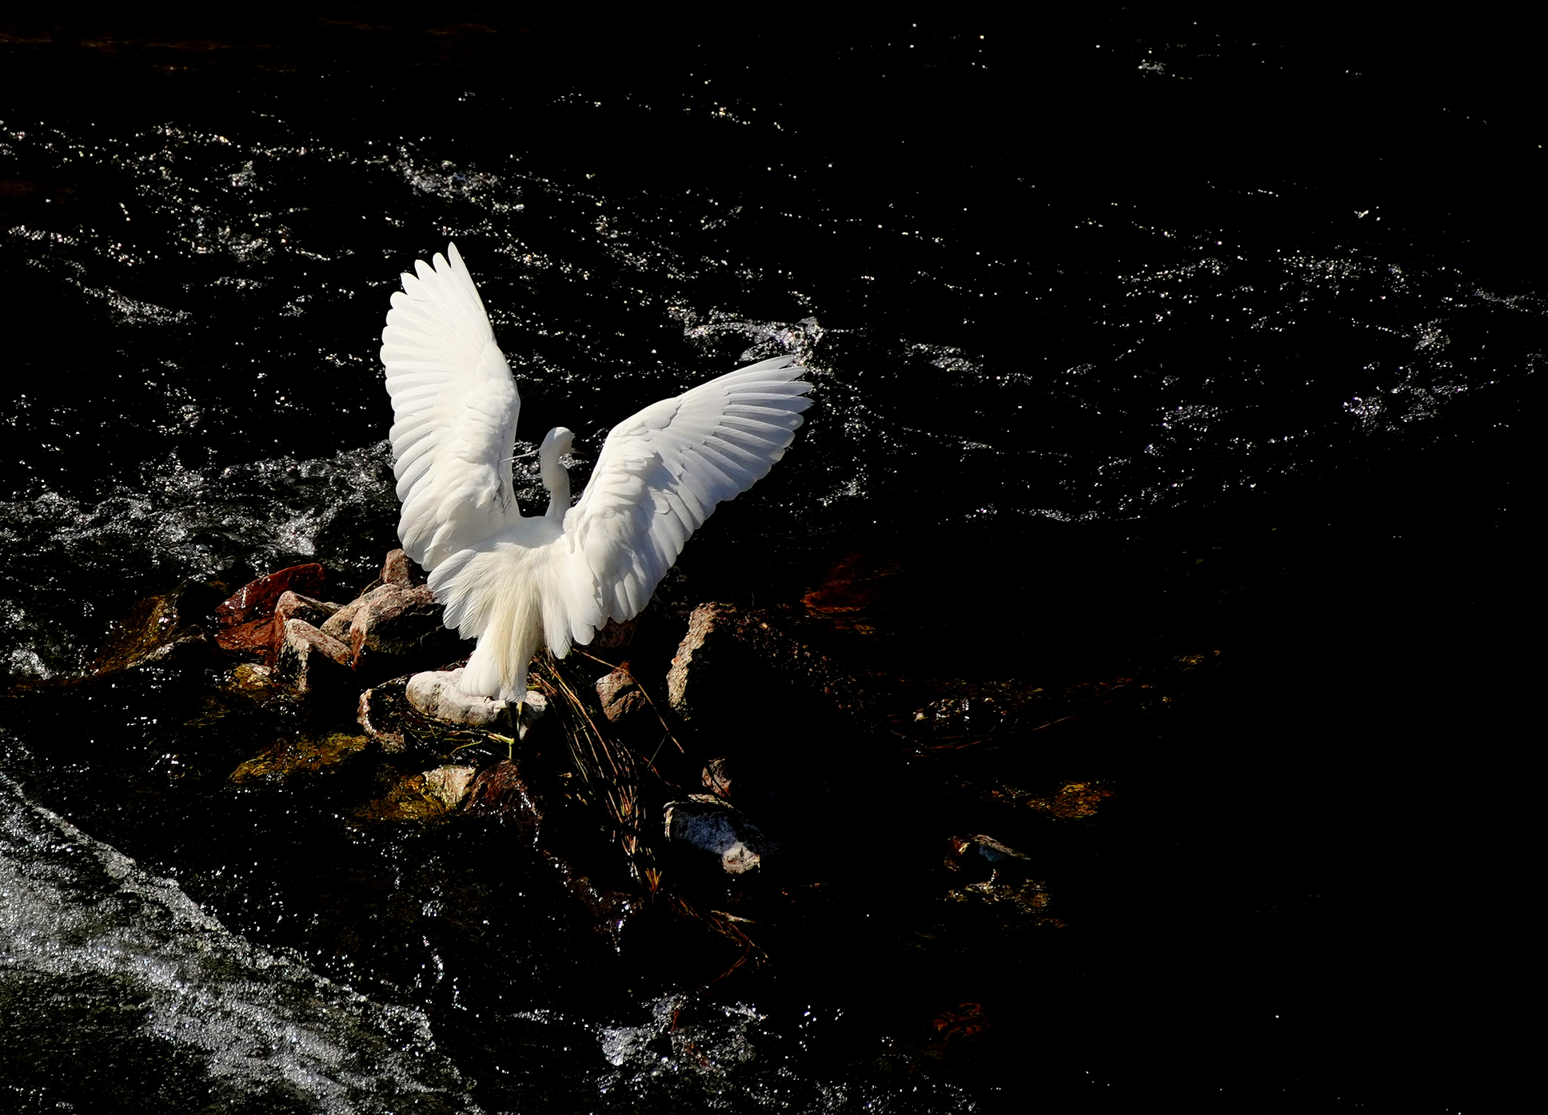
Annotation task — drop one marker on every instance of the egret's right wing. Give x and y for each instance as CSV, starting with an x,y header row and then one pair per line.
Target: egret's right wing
x,y
660,475
455,406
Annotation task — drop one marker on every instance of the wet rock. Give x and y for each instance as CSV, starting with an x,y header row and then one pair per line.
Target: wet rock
x,y
396,628
796,801
425,796
245,620
307,661
155,630
506,790
1009,891
975,854
289,758
610,909
254,680
387,714
383,713
1025,900
728,653
961,716
854,592
704,826
1072,801
449,784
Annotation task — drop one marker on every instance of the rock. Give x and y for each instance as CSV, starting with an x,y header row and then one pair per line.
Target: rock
x,y
400,569
381,713
425,796
610,909
245,619
728,652
614,634
396,628
695,663
306,660
973,853
292,757
704,826
505,789
337,625
154,631
620,694
254,680
961,716
435,693
449,784
293,605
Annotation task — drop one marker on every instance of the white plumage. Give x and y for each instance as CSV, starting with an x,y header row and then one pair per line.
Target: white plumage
x,y
517,582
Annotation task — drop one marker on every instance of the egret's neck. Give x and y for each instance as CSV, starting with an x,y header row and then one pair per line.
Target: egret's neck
x,y
557,480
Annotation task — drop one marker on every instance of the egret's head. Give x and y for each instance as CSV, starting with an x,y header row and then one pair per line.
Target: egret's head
x,y
557,442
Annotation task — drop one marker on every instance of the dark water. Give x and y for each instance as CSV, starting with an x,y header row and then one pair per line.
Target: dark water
x,y
1090,304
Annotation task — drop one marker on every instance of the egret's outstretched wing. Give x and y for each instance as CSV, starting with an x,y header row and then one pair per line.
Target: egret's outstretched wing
x,y
660,475
455,406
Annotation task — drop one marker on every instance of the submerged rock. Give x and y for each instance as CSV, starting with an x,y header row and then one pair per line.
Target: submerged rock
x,y
424,796
289,758
155,630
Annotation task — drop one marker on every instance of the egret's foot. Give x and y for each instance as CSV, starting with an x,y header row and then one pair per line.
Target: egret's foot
x,y
509,741
528,711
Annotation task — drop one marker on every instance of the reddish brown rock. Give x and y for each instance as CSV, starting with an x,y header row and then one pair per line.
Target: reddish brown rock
x,y
293,605
505,789
256,599
620,694
400,569
245,620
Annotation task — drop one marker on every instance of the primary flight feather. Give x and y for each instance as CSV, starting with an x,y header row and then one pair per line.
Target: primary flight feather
x,y
517,582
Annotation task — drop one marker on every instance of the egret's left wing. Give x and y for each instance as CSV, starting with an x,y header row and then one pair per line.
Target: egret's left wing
x,y
455,407
660,475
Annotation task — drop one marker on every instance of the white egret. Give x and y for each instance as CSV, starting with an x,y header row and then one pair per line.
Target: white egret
x,y
517,582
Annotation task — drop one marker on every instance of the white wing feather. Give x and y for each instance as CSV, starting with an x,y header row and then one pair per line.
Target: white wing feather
x,y
660,475
455,406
